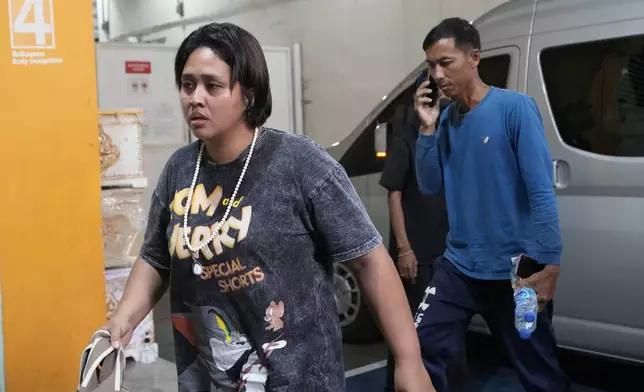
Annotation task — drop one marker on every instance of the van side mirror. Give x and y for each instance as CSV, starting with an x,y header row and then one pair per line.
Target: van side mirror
x,y
380,140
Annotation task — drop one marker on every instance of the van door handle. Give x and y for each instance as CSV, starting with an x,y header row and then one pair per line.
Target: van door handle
x,y
561,174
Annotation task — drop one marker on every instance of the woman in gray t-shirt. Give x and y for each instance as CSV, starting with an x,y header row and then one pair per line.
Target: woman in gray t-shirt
x,y
246,223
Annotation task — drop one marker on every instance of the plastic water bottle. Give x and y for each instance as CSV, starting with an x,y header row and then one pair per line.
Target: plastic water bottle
x,y
526,306
525,311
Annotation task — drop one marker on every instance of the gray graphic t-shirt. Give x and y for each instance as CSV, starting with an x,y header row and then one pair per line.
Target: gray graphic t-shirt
x,y
261,316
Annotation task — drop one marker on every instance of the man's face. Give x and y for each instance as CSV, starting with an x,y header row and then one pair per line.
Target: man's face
x,y
452,68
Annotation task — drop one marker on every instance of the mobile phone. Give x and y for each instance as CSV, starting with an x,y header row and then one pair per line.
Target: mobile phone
x,y
426,75
434,87
528,266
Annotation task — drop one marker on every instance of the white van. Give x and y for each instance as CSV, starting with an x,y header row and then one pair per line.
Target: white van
x,y
583,62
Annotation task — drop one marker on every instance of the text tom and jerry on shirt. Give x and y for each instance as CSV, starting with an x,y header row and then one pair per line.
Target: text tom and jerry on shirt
x,y
233,274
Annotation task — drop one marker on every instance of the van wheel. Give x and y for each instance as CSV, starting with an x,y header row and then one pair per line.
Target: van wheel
x,y
358,325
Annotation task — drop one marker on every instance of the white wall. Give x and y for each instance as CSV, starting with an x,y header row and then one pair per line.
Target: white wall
x,y
353,51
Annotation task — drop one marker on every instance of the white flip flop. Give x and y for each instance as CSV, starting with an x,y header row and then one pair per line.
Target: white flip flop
x,y
89,350
101,367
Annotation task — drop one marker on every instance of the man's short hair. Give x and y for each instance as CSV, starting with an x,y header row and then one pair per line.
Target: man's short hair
x,y
466,36
242,52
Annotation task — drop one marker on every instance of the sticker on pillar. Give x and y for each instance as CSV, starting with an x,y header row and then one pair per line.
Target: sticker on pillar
x,y
32,32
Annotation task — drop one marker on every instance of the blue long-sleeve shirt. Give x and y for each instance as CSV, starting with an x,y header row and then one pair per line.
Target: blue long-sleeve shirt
x,y
497,172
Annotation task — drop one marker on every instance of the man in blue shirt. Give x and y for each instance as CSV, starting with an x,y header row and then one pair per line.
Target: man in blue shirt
x,y
489,155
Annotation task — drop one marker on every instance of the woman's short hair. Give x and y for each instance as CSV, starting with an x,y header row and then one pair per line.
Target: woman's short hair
x,y
245,57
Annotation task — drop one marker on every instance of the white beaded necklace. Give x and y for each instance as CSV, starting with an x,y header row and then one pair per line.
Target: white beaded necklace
x,y
197,268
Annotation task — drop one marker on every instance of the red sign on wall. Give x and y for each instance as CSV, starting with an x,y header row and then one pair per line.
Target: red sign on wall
x,y
138,67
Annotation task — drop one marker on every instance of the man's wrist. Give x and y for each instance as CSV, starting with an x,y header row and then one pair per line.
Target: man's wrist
x,y
427,129
403,247
552,269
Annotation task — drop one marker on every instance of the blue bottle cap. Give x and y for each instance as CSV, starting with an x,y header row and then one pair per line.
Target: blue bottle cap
x,y
525,334
529,317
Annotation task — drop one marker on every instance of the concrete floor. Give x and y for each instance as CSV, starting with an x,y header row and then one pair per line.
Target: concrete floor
x,y
160,376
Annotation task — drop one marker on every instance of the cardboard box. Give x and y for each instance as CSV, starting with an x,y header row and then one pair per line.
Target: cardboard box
x,y
123,226
120,146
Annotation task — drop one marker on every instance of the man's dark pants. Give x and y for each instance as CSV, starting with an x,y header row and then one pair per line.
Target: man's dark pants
x,y
457,372
443,318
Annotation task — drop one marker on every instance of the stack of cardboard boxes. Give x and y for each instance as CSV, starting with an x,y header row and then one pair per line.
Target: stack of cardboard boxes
x,y
123,181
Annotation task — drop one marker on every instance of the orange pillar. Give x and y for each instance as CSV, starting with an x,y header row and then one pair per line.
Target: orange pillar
x,y
51,268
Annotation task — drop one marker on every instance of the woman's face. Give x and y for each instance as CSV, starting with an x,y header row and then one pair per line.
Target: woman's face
x,y
210,106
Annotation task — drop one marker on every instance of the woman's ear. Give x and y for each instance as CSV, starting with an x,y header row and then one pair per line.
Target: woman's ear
x,y
249,99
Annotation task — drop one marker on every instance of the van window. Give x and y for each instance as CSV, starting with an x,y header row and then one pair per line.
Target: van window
x,y
360,159
494,70
596,93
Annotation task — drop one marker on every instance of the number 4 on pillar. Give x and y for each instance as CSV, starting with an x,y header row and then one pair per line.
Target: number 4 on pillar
x,y
32,24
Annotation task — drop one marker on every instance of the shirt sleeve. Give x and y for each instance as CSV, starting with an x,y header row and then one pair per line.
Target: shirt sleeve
x,y
154,250
394,173
341,223
429,172
535,165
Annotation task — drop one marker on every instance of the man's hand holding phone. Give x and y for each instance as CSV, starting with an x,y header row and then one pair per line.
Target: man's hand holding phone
x,y
427,108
